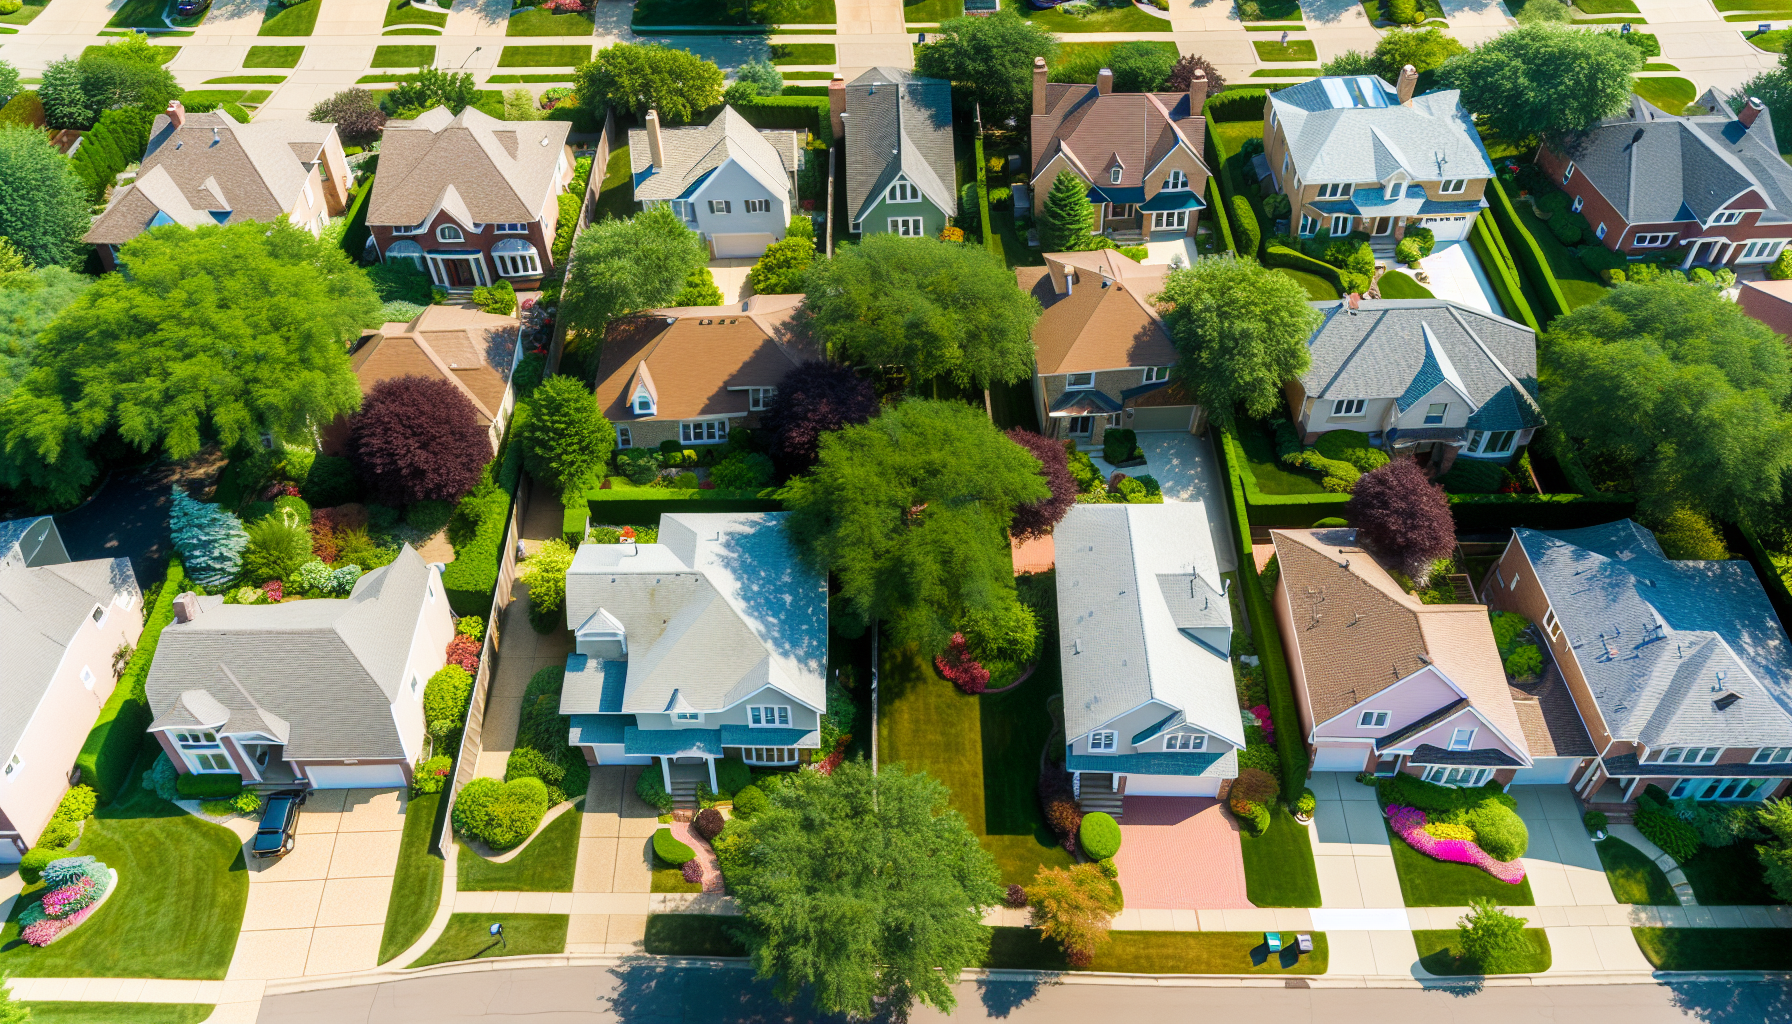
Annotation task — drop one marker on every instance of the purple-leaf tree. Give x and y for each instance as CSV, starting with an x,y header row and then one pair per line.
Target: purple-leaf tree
x,y
1403,516
416,439
1036,519
812,400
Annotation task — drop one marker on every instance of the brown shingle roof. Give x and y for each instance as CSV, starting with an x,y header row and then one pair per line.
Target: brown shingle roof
x,y
1097,328
692,355
1137,129
482,170
1552,724
461,344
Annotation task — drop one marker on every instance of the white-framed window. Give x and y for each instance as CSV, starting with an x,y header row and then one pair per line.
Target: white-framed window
x,y
1579,201
1717,789
1447,776
13,765
1335,190
1760,250
1771,755
1600,234
903,192
1165,219
768,755
1079,380
1434,412
1177,181
720,206
759,206
1450,186
1490,442
99,615
1652,241
625,438
1552,626
1372,720
1340,224
1153,374
1344,408
1185,741
416,684
1727,217
1079,426
1685,755
1114,175
1396,190
510,228
687,716
1103,740
1308,225
516,258
763,715
643,404
414,229
449,233
1569,173
703,431
1462,739
87,677
760,399
907,227
203,751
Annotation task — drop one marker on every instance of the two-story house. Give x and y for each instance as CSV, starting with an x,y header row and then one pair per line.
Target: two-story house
x,y
1425,377
1357,154
1102,356
204,169
899,167
1145,634
1711,186
470,199
1139,152
730,182
710,643
1681,670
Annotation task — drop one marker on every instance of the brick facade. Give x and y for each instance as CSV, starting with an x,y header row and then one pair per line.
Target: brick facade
x,y
540,235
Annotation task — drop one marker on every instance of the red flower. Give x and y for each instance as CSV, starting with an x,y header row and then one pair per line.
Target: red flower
x,y
957,666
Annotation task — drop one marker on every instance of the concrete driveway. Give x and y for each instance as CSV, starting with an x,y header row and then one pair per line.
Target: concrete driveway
x,y
1562,863
1185,467
1362,910
1456,274
1180,853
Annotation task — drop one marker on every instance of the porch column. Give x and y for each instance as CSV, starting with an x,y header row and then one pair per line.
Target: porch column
x,y
1691,251
1630,787
666,773
712,773
1076,785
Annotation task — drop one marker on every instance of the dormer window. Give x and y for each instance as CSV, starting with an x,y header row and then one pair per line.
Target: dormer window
x,y
1114,175
414,229
1102,741
1727,217
1177,181
643,404
1397,190
1185,741
687,716
449,233
1335,190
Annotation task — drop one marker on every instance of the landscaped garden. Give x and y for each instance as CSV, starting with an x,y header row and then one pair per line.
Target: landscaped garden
x,y
1089,17
1721,848
1441,953
554,18
469,937
545,865
1455,845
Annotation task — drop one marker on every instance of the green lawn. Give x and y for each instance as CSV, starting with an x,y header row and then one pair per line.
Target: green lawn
x,y
803,53
1133,952
181,889
1753,5
926,11
246,80
1715,949
1434,883
410,32
1284,72
615,197
1015,249
23,15
1272,475
1278,865
400,12
1080,62
1606,7
1659,67
1579,285
545,865
1395,285
533,21
291,21
468,937
653,13
563,77
1670,94
692,935
1279,10
1728,876
417,885
1105,19
1439,955
139,14
569,56
1318,289
667,879
1634,878
1292,50
273,56
395,56
1772,42
118,1013
164,54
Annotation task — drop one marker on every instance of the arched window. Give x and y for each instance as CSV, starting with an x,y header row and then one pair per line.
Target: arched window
x,y
449,233
516,258
406,250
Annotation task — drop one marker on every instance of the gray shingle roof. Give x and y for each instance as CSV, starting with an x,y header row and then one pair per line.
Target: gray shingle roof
x,y
692,154
1401,348
1354,129
1658,640
41,610
899,124
482,170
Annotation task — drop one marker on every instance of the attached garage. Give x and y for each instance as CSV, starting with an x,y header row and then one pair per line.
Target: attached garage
x,y
356,776
1340,759
1453,228
1168,417
1173,785
1547,771
746,246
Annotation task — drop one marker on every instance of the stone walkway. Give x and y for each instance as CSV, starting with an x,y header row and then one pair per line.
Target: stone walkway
x,y
706,854
1668,865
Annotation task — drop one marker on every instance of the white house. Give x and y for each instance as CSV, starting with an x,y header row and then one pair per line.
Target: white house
x,y
729,181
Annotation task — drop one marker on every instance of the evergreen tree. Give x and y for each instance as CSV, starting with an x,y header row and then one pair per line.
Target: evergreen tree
x,y
43,205
209,539
566,439
1068,217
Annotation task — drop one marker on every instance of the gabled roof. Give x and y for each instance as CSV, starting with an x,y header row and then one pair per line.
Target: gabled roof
x,y
694,153
1403,348
1134,130
480,169
470,348
898,124
689,357
1107,322
1355,129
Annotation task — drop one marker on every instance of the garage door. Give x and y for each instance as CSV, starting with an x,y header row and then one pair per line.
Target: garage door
x,y
1448,229
1168,417
1172,785
356,776
744,246
1547,771
1340,759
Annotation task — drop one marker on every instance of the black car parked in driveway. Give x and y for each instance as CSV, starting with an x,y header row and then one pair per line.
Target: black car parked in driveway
x,y
188,8
279,823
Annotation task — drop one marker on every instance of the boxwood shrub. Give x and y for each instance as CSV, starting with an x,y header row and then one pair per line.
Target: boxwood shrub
x,y
1498,830
668,848
501,814
652,790
209,785
748,801
1100,835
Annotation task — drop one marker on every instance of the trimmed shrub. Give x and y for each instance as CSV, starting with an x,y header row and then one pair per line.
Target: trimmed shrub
x,y
1015,897
652,790
1120,445
1594,820
1252,816
668,848
431,775
464,652
692,871
1351,446
1781,268
76,805
733,775
1677,837
708,823
36,859
1250,233
748,801
1412,791
529,763
1306,803
445,700
1427,239
208,785
1100,835
1261,756
1525,662
330,482
59,834
502,814
1407,252
1499,830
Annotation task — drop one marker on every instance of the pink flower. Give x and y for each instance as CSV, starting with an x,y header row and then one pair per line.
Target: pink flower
x,y
962,670
273,589
1409,824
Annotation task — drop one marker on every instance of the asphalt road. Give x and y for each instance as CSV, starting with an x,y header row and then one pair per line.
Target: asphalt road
x,y
652,994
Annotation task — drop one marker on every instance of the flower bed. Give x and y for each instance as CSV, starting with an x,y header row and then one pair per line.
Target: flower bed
x,y
1409,825
82,886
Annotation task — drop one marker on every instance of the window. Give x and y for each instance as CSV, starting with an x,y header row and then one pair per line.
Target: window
x,y
643,404
768,755
1579,201
1154,374
1462,739
687,716
1396,190
759,399
511,228
1452,185
719,206
1772,755
1102,741
1727,217
759,206
1162,219
1652,241
1284,165
1335,191
1434,413
1760,250
1717,789
907,227
904,192
416,684
14,765
87,677
1491,442
1372,720
99,615
1079,426
1308,225
1600,234
449,233
1457,776
1177,181
625,438
203,751
1346,407
703,431
1569,173
1114,175
1552,626
1340,224
1185,741
516,258
414,229
1079,380
768,714
1686,755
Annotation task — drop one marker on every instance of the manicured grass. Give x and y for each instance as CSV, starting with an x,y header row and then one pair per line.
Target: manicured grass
x,y
140,14
181,889
23,15
1772,42
1728,876
1016,251
802,53
1634,878
533,21
1395,285
1133,952
118,1013
1606,7
1670,94
667,879
652,13
410,32
1272,475
273,56
1318,289
468,937
926,11
164,54
1292,50
545,865
1081,62
417,884
247,80
291,21
1106,19
249,96
1434,883
1439,955
1753,5
1278,865
400,12
519,79
692,935
615,197
396,56
1279,10
1659,67
1715,949
569,56
1579,285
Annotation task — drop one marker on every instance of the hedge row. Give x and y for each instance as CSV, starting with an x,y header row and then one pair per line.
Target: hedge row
x,y
1237,105
112,744
1528,255
1502,272
1282,256
354,238
1249,232
1218,214
797,113
1771,581
991,240
473,575
115,142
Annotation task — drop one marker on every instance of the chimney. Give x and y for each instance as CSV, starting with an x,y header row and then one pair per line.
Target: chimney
x,y
186,607
1104,81
837,105
1354,301
1197,92
653,140
1409,80
1751,110
1038,85
177,113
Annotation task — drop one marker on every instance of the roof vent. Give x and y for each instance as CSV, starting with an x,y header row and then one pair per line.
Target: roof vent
x,y
1725,699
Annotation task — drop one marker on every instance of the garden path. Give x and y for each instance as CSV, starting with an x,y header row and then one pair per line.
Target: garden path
x,y
706,854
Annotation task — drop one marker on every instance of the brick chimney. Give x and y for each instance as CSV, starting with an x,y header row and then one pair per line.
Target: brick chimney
x,y
186,607
1104,81
1409,80
654,146
1197,92
177,113
837,106
1038,85
1751,110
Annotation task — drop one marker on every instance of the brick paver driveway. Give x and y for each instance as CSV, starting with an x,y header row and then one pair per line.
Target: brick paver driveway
x,y
1179,853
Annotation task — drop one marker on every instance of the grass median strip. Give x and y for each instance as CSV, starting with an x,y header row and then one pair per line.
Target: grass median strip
x,y
1715,949
520,79
246,80
468,937
803,53
401,12
567,56
417,884
1292,50
1139,952
291,21
403,56
117,1013
273,56
1439,954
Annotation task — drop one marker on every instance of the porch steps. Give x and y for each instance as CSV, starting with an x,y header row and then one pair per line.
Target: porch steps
x,y
1383,247
1100,796
684,794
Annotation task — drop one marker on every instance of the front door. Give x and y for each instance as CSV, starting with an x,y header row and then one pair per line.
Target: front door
x,y
460,274
1383,225
1079,426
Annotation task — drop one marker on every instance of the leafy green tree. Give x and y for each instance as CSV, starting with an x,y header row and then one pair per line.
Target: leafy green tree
x,y
1543,80
1351,62
762,75
989,61
1242,331
1776,858
28,301
545,573
699,290
520,105
566,439
1141,67
910,513
127,72
1067,217
429,88
1074,907
9,82
12,261
936,308
1426,49
638,77
625,266
43,204
867,888
214,333
1772,87
1490,939
65,103
12,1011
781,269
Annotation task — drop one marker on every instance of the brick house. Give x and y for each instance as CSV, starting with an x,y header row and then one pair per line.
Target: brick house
x,y
1102,357
1712,187
1769,302
692,373
470,199
1357,154
1680,669
1139,152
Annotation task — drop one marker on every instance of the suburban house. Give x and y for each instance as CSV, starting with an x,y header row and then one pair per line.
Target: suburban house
x,y
730,182
1139,152
710,643
1425,377
324,693
690,373
1145,633
464,345
470,199
1769,302
1102,357
1712,185
1387,684
1357,154
210,168
66,624
899,167
1680,669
